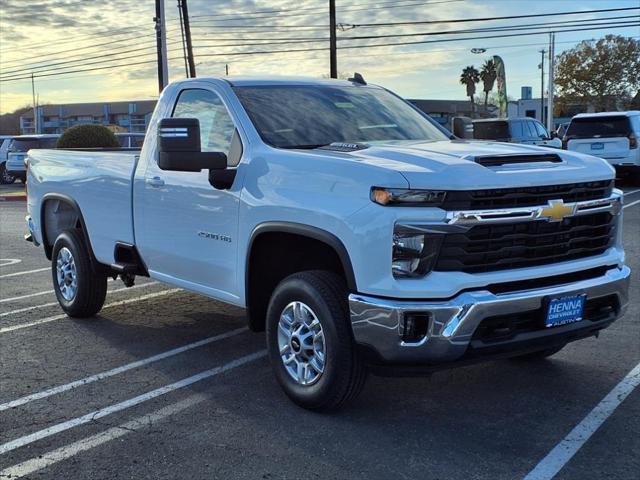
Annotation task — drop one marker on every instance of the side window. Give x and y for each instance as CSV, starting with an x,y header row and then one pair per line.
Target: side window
x,y
516,129
216,127
529,131
541,131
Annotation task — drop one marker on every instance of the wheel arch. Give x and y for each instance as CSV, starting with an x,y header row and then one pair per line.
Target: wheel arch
x,y
327,246
74,219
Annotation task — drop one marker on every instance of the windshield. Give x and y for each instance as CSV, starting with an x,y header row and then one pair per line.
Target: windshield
x,y
25,144
596,127
311,116
491,130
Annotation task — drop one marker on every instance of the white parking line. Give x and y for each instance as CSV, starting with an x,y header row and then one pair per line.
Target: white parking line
x,y
103,412
51,304
15,274
550,465
631,192
22,297
631,204
115,371
59,454
5,262
20,326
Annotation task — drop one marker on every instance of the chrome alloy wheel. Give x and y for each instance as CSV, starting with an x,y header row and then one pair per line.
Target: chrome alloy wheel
x,y
301,343
66,274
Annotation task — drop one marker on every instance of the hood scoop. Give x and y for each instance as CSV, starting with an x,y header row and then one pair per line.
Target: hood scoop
x,y
499,160
344,147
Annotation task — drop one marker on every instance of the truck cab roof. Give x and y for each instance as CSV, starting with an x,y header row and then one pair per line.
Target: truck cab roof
x,y
255,81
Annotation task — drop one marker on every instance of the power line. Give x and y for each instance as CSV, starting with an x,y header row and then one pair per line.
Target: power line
x,y
110,42
485,19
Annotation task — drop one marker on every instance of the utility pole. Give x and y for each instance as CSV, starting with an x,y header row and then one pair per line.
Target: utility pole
x,y
184,48
333,49
161,46
35,107
552,42
542,52
187,36
226,69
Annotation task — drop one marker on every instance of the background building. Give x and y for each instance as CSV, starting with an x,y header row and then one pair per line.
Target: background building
x,y
442,111
130,116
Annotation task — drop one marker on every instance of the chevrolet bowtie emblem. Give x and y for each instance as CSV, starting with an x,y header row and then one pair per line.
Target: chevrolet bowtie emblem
x,y
556,211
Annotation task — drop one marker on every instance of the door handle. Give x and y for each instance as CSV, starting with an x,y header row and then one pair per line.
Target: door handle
x,y
155,182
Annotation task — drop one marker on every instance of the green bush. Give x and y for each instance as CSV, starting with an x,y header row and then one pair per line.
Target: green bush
x,y
88,136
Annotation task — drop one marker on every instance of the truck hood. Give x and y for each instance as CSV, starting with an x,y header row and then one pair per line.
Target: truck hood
x,y
457,164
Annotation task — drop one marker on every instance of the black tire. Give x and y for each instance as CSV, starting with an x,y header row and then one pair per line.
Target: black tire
x,y
344,374
540,354
91,289
5,177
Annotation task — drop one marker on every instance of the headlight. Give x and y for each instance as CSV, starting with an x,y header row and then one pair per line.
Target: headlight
x,y
414,253
406,197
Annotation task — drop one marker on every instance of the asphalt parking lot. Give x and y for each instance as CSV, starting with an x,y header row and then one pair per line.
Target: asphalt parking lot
x,y
166,384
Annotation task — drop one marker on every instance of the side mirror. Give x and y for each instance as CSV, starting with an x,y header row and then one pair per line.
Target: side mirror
x,y
179,147
462,127
553,135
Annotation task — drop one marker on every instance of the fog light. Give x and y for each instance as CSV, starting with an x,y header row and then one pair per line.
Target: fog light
x,y
414,327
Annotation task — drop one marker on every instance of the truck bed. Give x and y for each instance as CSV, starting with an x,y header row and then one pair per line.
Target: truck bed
x,y
100,182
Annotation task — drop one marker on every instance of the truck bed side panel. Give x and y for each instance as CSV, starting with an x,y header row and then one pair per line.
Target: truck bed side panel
x,y
98,182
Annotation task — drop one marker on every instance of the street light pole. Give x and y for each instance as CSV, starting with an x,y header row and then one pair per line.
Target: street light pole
x,y
542,52
552,42
333,48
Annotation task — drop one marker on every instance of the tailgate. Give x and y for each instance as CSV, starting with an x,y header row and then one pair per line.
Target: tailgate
x,y
611,147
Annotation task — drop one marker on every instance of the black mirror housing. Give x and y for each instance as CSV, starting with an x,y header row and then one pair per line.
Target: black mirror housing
x,y
179,147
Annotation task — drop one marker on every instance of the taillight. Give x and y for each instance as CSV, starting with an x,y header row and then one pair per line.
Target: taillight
x,y
633,141
565,143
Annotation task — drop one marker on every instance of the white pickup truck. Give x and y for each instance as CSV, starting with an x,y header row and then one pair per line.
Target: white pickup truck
x,y
360,235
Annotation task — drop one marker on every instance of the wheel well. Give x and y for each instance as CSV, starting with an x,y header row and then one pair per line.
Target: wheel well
x,y
274,255
57,216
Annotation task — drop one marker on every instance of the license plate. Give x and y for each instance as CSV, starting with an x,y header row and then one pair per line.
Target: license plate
x,y
597,146
565,310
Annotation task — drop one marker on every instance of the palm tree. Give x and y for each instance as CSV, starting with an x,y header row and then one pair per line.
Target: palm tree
x,y
488,76
470,76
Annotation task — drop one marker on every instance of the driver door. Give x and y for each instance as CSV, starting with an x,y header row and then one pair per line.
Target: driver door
x,y
189,228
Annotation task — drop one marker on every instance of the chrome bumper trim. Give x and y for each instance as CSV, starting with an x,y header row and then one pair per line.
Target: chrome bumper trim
x,y
378,323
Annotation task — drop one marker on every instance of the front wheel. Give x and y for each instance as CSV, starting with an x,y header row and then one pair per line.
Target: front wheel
x,y
310,344
80,291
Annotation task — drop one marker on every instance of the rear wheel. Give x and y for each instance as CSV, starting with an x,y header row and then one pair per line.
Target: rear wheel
x,y
80,291
5,177
310,342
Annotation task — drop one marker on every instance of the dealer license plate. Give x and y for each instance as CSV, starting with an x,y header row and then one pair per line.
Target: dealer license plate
x,y
597,146
565,310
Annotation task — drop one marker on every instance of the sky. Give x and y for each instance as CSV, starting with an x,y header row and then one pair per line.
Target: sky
x,y
59,41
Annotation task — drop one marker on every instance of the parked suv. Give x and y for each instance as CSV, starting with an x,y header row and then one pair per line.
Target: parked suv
x,y
609,135
19,147
517,130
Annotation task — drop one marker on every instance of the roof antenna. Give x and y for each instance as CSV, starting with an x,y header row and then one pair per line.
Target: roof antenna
x,y
357,78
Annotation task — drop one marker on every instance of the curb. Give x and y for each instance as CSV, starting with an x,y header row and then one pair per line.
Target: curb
x,y
20,197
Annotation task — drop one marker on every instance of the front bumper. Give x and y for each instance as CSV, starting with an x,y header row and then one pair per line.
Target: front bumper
x,y
378,324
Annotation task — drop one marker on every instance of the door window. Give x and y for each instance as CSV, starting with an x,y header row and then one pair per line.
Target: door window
x,y
216,127
516,130
529,131
542,132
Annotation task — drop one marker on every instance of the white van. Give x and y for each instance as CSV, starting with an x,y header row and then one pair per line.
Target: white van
x,y
609,135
